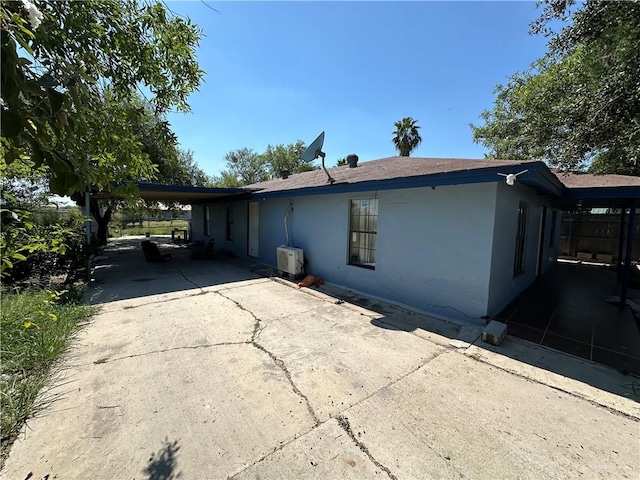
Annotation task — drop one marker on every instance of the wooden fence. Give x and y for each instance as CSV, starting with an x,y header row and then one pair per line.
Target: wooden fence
x,y
596,234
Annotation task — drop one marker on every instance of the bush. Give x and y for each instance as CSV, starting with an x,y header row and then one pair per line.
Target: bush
x,y
39,244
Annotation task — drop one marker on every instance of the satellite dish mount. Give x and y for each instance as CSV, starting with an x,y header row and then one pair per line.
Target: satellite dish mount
x,y
314,151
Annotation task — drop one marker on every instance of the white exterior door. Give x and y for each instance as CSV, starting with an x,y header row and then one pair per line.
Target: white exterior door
x,y
254,217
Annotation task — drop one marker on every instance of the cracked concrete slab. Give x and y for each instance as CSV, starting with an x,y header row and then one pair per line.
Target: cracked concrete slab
x,y
275,301
257,379
339,358
565,372
197,320
480,422
324,452
224,406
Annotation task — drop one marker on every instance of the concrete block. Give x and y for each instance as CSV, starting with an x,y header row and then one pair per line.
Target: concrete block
x,y
584,256
605,258
494,333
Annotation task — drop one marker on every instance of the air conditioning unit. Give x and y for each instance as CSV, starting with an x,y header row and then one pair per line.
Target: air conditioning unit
x,y
290,260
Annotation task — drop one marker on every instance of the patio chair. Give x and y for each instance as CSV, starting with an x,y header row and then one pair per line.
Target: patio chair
x,y
152,254
202,252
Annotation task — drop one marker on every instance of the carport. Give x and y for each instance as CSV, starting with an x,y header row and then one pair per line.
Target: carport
x,y
581,308
166,193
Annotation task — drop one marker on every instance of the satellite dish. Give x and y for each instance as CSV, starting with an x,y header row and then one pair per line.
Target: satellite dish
x,y
314,151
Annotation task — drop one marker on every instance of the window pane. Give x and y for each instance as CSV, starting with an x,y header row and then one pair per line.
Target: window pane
x,y
363,232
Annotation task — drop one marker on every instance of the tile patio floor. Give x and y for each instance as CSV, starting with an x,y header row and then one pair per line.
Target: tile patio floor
x,y
567,311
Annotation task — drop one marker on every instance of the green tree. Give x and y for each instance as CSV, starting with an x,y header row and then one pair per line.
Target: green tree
x,y
158,145
341,161
58,58
286,157
578,106
226,179
246,166
406,136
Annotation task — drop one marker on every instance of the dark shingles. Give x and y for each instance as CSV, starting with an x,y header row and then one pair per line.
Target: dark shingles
x,y
588,180
383,169
405,167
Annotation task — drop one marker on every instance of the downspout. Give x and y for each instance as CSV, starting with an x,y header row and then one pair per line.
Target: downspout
x,y
286,222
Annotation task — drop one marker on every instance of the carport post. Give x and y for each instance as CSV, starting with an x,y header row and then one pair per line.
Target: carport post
x,y
621,243
627,261
87,227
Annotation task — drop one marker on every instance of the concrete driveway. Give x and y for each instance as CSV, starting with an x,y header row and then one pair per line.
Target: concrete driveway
x,y
208,369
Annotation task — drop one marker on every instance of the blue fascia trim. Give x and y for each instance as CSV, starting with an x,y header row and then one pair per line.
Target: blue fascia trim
x,y
461,177
244,195
188,189
599,193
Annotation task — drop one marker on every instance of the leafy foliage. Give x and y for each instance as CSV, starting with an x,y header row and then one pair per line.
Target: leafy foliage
x,y
286,157
579,106
245,166
66,84
39,243
406,136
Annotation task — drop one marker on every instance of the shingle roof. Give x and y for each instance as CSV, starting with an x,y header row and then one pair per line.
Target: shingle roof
x,y
590,180
383,169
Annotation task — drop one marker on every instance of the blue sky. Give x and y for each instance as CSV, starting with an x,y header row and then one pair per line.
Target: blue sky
x,y
281,71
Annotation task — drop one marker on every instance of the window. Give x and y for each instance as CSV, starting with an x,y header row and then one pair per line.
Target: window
x,y
207,221
363,230
554,220
520,239
229,222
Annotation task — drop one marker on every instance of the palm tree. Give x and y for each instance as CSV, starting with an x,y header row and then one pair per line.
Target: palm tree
x,y
406,137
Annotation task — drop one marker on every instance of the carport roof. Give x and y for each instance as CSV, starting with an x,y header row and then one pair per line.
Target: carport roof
x,y
177,193
598,190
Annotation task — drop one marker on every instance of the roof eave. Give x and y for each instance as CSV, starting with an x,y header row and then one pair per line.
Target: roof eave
x,y
537,176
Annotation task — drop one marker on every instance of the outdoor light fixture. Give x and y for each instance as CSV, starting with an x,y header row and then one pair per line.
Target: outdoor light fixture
x,y
511,177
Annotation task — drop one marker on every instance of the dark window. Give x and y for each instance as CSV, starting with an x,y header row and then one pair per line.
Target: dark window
x,y
229,222
363,230
207,221
520,239
554,220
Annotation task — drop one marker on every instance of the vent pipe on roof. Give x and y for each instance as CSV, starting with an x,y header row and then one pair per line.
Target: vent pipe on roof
x,y
352,160
284,173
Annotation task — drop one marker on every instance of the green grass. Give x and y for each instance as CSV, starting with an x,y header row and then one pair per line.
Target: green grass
x,y
31,341
153,227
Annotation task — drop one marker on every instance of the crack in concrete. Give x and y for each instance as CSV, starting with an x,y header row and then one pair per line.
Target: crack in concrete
x,y
344,424
193,347
393,382
318,423
164,300
256,325
280,363
257,329
609,408
186,278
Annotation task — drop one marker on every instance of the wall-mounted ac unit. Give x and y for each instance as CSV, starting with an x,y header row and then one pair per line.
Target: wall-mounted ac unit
x,y
290,260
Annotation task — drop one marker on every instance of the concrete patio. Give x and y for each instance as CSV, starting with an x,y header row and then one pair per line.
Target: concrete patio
x,y
210,369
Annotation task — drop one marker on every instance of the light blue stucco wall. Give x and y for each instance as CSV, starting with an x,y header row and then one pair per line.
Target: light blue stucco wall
x,y
433,245
503,286
218,212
